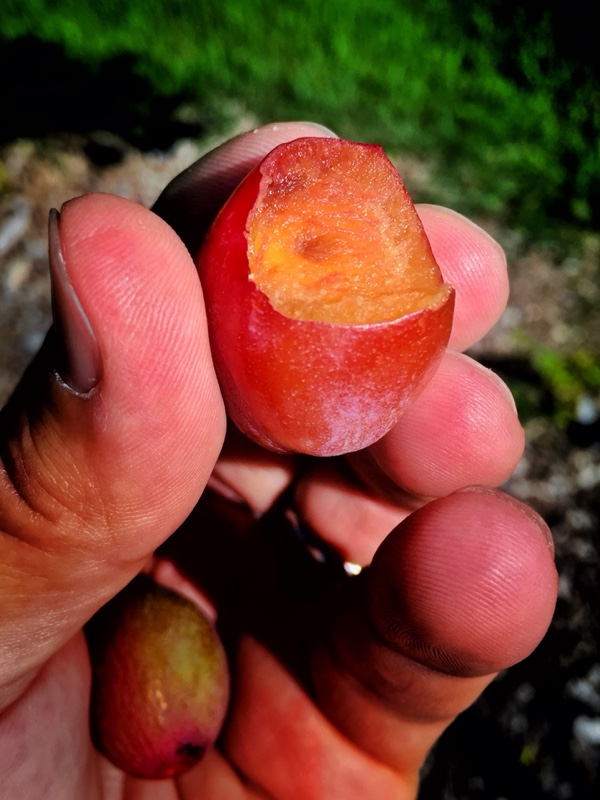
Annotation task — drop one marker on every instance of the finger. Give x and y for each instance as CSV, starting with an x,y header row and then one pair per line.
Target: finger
x,y
475,265
112,434
191,201
279,741
248,474
215,778
460,590
345,513
462,429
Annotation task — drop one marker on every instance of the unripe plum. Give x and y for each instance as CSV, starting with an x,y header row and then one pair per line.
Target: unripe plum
x,y
160,681
326,309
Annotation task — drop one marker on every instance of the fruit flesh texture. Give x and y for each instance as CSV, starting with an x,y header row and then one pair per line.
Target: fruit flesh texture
x,y
160,681
318,258
311,385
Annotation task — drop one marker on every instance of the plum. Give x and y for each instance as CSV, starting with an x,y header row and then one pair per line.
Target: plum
x,y
160,682
326,309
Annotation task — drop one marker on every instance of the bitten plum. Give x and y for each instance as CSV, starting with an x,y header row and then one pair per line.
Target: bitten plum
x,y
160,681
326,309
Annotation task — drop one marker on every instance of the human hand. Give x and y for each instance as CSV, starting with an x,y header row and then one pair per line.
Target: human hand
x,y
341,685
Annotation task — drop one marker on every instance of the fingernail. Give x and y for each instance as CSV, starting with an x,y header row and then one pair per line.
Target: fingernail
x,y
78,361
324,130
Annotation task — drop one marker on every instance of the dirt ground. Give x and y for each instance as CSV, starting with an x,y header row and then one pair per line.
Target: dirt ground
x,y
536,731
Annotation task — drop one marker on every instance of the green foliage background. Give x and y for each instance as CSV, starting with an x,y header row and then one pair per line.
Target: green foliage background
x,y
510,122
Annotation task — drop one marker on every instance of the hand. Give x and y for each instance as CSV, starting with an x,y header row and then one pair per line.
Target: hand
x,y
110,439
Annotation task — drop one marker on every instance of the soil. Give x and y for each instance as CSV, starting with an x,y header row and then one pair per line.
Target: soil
x,y
536,732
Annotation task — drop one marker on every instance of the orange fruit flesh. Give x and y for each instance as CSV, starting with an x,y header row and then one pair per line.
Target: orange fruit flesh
x,y
334,237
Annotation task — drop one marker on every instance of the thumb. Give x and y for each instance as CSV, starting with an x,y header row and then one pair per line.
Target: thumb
x,y
113,432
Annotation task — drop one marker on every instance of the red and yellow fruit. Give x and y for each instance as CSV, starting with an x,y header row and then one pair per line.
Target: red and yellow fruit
x,y
326,308
160,681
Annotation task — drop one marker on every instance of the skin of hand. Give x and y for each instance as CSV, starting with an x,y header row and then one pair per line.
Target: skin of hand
x,y
108,443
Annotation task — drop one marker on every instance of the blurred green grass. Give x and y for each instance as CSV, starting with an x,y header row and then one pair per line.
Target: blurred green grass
x,y
507,121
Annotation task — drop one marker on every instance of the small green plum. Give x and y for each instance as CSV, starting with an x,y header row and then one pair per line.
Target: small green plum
x,y
160,684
